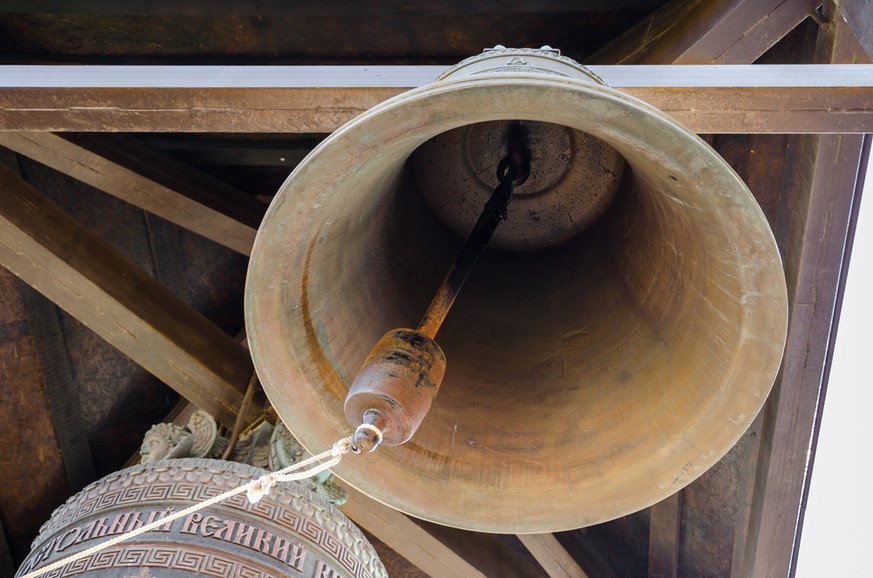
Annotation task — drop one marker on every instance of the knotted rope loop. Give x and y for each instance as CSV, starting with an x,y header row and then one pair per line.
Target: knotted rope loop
x,y
366,437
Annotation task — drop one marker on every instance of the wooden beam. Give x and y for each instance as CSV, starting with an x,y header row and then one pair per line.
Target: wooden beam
x,y
594,559
492,555
164,242
819,232
708,99
858,15
437,550
746,495
407,538
664,537
49,250
765,110
813,270
62,391
7,566
129,170
552,556
227,152
706,31
746,46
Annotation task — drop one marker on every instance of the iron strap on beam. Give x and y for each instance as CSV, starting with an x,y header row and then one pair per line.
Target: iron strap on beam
x,y
318,99
622,76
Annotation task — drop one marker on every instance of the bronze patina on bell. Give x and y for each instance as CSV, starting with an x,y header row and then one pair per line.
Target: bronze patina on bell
x,y
618,336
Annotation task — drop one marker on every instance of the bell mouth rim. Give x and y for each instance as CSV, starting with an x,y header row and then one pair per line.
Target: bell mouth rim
x,y
278,362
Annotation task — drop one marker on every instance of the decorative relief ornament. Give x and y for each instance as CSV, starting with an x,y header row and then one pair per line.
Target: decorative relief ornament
x,y
265,446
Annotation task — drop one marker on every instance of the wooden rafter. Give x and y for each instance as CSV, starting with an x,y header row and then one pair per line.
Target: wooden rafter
x,y
664,525
7,567
493,556
706,31
126,169
830,183
61,390
429,550
552,556
52,252
859,17
593,559
708,99
408,539
819,233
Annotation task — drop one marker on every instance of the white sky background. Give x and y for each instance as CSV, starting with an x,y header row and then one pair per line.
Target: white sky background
x,y
837,537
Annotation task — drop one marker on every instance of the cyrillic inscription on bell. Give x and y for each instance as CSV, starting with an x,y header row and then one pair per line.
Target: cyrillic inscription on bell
x,y
289,532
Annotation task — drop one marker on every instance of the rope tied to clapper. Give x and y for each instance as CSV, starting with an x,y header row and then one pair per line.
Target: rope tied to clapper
x,y
255,490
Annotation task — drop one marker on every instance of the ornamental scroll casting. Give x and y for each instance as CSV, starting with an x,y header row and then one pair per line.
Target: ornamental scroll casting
x,y
265,446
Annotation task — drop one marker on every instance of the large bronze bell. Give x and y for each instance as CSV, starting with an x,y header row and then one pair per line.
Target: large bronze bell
x,y
617,338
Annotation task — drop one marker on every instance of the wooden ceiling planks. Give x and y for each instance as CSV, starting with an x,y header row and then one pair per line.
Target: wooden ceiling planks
x,y
254,31
369,8
859,16
706,31
26,499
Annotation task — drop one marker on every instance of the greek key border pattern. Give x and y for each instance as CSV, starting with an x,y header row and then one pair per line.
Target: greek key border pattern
x,y
202,563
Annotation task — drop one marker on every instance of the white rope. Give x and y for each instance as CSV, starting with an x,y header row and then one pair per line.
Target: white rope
x,y
255,490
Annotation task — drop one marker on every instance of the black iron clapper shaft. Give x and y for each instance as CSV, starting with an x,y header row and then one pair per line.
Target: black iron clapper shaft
x,y
513,170
398,381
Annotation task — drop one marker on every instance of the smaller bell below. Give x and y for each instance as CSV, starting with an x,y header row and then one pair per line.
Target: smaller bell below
x,y
289,532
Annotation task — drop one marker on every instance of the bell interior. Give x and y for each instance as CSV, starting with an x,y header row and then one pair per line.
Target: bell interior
x,y
585,378
575,346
